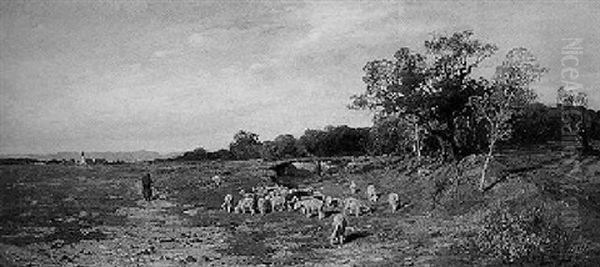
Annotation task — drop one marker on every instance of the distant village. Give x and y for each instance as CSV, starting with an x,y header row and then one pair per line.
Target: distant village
x,y
82,158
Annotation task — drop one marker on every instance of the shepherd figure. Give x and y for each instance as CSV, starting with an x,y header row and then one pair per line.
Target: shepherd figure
x,y
147,187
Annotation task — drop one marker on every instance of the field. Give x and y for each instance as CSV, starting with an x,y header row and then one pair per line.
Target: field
x,y
55,215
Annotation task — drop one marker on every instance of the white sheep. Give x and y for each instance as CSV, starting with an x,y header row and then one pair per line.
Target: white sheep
x,y
371,193
262,205
339,228
355,206
331,202
353,187
277,203
393,200
217,180
245,204
311,206
292,202
227,203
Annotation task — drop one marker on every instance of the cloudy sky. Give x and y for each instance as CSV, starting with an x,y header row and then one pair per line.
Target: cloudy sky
x,y
172,76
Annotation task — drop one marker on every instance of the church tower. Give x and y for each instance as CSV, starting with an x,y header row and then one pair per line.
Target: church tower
x,y
82,160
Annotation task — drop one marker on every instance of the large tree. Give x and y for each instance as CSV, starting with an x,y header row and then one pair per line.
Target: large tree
x,y
245,145
431,88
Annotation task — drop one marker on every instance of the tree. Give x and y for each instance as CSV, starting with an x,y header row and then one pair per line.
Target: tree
x,y
245,145
283,146
335,141
221,154
313,141
286,146
197,154
432,89
389,135
269,151
506,95
537,124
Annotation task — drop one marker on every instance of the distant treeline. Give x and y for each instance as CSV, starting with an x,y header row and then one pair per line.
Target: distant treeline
x,y
18,161
30,161
538,124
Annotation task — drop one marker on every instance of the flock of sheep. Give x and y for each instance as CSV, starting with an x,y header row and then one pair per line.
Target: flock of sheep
x,y
308,201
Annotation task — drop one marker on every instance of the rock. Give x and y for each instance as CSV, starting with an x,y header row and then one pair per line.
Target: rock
x,y
192,212
25,214
83,213
69,219
58,243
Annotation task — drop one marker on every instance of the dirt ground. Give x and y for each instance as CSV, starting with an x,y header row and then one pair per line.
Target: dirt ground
x,y
55,215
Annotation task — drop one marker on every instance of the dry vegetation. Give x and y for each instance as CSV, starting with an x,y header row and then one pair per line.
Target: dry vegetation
x,y
93,216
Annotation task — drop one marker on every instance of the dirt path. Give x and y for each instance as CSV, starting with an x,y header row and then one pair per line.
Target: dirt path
x,y
153,234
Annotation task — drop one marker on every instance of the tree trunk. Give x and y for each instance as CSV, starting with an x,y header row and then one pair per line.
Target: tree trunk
x,y
442,145
417,142
454,150
488,157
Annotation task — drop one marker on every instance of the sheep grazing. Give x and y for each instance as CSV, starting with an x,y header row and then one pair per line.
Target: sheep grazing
x,y
277,203
355,206
262,205
260,191
371,193
281,191
328,201
339,228
393,200
353,187
245,204
292,202
310,206
318,195
217,180
331,202
227,203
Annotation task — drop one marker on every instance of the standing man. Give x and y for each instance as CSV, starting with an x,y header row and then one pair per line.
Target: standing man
x,y
147,187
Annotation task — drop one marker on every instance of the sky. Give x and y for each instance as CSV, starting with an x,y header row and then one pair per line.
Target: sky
x,y
176,75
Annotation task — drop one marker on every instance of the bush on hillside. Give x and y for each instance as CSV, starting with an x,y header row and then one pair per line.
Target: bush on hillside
x,y
523,235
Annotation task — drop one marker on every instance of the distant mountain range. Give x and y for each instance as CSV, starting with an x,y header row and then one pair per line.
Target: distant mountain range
x,y
130,156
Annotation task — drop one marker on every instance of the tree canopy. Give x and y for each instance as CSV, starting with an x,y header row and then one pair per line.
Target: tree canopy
x,y
245,145
432,88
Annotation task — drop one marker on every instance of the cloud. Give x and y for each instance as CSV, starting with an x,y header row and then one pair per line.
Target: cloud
x,y
166,53
339,21
217,38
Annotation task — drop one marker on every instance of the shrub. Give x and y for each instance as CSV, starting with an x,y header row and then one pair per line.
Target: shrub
x,y
521,236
